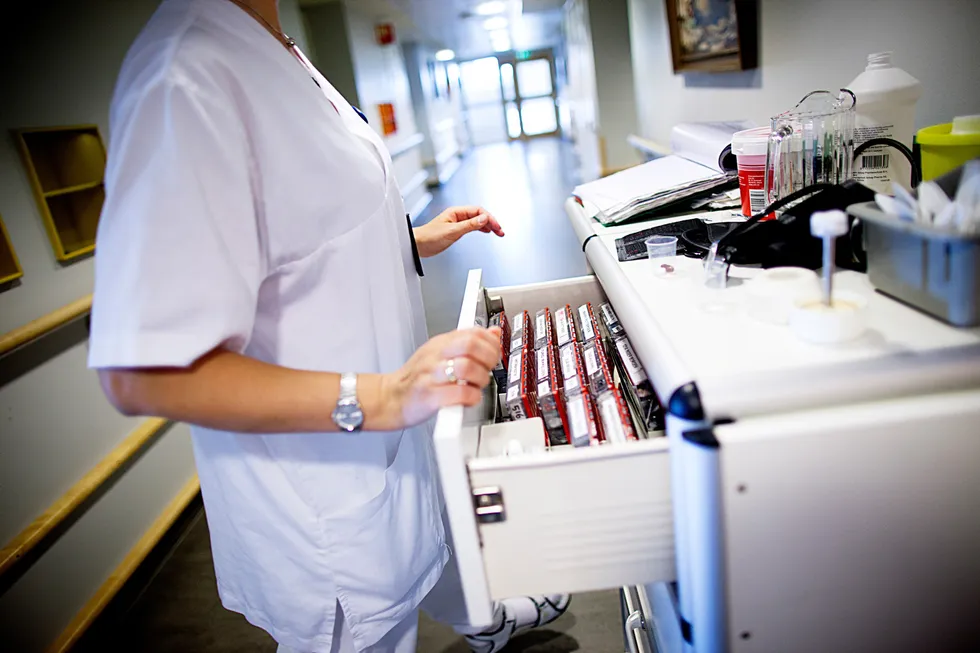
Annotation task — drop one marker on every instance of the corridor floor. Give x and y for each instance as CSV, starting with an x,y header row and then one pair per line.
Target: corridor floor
x,y
525,186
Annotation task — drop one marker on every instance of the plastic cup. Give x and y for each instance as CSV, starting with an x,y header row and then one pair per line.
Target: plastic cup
x,y
662,253
661,246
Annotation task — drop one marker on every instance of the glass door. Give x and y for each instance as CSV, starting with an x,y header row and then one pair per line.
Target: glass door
x,y
523,88
482,99
529,96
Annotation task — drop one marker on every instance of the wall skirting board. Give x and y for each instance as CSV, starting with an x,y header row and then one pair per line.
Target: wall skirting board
x,y
94,607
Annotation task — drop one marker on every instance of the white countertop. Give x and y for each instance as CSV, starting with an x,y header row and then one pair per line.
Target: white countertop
x,y
739,363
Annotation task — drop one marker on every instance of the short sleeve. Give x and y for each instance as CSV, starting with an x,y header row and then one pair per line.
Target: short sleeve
x,y
178,260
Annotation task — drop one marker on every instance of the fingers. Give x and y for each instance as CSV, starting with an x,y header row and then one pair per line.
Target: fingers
x,y
455,395
473,218
493,226
481,345
465,370
460,213
478,223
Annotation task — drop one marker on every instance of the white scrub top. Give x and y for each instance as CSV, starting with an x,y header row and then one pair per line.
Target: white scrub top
x,y
247,207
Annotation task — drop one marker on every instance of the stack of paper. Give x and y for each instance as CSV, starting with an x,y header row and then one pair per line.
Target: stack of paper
x,y
649,186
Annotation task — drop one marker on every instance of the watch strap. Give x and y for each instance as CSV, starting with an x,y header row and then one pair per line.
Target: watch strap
x,y
348,386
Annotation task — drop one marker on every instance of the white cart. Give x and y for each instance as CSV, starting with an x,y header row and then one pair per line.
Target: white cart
x,y
806,498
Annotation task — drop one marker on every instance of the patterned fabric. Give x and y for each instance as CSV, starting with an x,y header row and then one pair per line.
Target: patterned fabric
x,y
517,615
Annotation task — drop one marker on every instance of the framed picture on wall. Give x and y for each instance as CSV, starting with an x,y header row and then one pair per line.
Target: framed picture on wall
x,y
713,35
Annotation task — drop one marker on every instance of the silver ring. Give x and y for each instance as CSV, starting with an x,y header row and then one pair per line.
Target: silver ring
x,y
451,371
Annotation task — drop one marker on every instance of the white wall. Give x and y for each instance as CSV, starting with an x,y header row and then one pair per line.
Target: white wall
x,y
60,66
381,76
439,118
330,48
609,23
578,95
806,45
599,94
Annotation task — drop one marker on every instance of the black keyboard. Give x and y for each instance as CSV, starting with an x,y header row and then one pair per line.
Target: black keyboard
x,y
633,247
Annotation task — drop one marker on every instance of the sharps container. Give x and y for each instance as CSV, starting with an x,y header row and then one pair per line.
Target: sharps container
x,y
750,147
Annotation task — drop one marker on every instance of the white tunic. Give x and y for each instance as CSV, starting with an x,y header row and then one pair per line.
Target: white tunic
x,y
243,209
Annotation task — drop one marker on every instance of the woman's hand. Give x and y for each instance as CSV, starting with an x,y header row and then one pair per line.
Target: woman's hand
x,y
451,225
420,388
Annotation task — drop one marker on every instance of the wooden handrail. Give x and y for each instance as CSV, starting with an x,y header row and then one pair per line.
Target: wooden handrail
x,y
45,324
66,504
95,605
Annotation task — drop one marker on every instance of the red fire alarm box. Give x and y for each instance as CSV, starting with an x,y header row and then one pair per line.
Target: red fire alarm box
x,y
384,33
388,124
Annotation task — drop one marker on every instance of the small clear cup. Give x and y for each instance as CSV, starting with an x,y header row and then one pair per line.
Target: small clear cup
x,y
662,253
661,246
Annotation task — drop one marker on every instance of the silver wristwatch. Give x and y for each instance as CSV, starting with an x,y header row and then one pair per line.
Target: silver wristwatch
x,y
348,415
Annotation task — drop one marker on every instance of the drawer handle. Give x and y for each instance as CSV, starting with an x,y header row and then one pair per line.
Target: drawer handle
x,y
488,503
633,623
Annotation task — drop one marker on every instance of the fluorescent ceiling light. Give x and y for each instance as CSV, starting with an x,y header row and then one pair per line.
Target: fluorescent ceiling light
x,y
497,22
445,55
490,8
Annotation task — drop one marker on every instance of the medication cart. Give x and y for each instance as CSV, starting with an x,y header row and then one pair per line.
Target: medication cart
x,y
805,497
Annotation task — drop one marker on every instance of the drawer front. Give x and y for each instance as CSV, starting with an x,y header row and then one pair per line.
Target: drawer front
x,y
566,520
578,520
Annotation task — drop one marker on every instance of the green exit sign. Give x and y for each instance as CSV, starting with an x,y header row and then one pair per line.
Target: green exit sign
x,y
523,54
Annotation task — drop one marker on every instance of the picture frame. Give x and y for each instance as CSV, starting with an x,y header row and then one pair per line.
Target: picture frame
x,y
713,36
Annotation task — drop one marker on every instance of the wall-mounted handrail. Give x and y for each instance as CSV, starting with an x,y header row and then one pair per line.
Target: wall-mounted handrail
x,y
25,541
44,324
104,595
406,144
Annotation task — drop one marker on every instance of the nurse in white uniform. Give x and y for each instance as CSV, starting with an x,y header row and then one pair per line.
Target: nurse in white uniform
x,y
255,278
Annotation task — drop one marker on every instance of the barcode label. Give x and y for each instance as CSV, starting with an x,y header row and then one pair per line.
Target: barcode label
x,y
874,160
561,320
757,200
544,389
591,363
568,361
571,383
542,363
588,333
612,322
518,322
636,373
514,368
539,333
576,414
512,393
610,419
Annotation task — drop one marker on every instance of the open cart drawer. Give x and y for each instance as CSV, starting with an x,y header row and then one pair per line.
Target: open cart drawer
x,y
562,520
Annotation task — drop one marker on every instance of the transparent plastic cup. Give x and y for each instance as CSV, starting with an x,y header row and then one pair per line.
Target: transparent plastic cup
x,y
661,246
662,253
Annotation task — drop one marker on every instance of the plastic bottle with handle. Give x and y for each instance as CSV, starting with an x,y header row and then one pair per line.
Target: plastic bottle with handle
x,y
886,98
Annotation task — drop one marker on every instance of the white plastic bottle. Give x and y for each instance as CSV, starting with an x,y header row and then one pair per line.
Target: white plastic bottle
x,y
886,98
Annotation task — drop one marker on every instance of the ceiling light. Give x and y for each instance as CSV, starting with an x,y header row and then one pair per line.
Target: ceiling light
x,y
445,55
497,22
490,8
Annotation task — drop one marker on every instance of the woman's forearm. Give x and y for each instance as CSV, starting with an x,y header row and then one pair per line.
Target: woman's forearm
x,y
230,392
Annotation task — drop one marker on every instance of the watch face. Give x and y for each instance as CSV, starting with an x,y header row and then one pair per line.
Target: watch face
x,y
348,415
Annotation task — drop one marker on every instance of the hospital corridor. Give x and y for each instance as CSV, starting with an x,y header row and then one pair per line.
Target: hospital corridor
x,y
489,326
